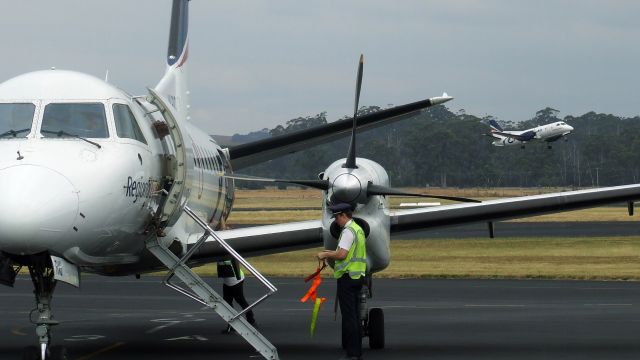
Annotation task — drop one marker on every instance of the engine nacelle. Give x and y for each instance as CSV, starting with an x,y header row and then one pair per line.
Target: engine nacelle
x,y
350,185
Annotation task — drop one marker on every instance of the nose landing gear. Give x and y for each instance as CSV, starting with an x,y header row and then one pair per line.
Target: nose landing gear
x,y
375,328
42,276
372,319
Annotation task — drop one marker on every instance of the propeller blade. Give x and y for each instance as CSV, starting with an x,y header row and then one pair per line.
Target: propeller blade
x,y
351,155
316,184
383,190
358,85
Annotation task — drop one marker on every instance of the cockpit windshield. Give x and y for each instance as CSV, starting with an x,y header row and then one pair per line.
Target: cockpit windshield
x,y
85,120
16,119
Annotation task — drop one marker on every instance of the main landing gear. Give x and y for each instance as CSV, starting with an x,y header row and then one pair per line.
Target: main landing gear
x,y
41,270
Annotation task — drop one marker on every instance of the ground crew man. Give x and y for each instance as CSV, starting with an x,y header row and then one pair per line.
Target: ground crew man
x,y
350,268
232,288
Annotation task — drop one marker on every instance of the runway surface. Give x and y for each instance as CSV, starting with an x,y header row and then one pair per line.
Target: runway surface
x,y
125,318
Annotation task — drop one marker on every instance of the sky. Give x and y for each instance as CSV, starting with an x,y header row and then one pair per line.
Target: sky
x,y
256,64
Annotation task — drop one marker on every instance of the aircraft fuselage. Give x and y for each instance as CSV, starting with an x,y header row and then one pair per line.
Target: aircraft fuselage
x,y
93,201
548,133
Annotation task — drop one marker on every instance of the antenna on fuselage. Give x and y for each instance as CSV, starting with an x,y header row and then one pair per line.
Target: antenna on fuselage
x,y
106,76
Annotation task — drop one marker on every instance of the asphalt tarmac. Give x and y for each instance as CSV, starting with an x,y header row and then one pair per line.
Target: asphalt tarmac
x,y
125,318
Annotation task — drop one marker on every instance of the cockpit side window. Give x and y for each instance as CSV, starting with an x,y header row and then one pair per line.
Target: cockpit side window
x,y
16,119
76,119
126,125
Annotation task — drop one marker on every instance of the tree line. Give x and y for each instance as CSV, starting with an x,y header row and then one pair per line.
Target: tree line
x,y
442,148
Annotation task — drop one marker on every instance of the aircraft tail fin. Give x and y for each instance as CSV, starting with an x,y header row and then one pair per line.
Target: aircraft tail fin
x,y
173,85
494,126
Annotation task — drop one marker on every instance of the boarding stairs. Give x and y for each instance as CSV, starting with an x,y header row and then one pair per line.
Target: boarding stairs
x,y
168,213
204,294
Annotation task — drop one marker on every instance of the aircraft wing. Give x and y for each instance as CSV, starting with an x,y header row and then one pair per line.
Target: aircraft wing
x,y
510,208
266,239
525,136
270,239
260,151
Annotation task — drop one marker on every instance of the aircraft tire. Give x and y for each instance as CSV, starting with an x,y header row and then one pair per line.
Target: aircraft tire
x,y
376,328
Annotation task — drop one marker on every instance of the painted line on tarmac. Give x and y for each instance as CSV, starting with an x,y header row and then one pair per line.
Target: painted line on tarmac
x,y
103,350
18,331
495,305
408,307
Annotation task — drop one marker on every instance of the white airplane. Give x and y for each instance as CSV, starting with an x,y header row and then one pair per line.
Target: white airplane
x,y
548,133
97,180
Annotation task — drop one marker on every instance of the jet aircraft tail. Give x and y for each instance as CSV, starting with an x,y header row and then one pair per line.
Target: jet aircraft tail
x,y
494,126
173,85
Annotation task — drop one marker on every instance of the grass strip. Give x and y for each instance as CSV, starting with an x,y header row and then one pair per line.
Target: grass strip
x,y
610,258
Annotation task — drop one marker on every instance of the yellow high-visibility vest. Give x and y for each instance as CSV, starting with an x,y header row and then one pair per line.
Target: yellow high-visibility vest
x,y
355,264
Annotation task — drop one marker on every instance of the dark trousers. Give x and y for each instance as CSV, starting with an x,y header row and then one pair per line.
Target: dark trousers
x,y
236,292
349,299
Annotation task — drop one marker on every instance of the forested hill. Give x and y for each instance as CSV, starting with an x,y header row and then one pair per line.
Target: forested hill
x,y
442,148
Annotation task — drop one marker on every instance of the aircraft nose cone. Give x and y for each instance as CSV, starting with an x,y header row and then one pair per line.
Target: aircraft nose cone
x,y
37,207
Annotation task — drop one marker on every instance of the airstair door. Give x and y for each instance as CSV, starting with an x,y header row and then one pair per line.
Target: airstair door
x,y
177,168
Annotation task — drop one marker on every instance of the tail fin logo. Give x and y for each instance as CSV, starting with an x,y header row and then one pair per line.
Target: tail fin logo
x,y
494,126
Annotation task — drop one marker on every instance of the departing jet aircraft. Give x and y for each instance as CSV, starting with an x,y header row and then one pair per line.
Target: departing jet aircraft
x,y
547,133
97,180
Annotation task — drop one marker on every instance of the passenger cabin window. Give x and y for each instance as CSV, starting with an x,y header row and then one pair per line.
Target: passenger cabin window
x,y
126,124
16,120
86,120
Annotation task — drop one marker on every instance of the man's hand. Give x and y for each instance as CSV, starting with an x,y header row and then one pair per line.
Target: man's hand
x,y
324,254
340,254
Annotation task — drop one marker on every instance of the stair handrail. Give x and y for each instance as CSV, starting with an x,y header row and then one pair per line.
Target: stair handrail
x,y
210,232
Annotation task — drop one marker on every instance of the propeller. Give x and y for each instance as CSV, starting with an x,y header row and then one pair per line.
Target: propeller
x,y
347,186
383,190
343,192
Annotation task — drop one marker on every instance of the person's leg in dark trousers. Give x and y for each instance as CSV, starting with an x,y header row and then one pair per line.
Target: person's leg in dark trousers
x,y
227,295
348,297
238,295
